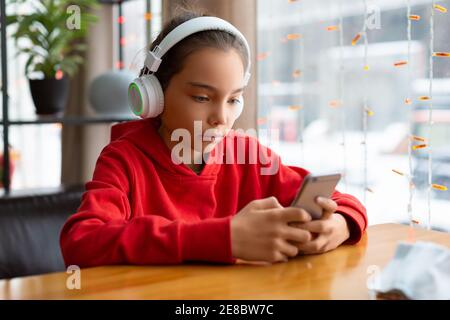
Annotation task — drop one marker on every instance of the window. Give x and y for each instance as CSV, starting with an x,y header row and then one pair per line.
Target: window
x,y
312,90
36,149
143,21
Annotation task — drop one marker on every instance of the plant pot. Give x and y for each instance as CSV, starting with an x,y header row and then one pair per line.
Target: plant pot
x,y
49,95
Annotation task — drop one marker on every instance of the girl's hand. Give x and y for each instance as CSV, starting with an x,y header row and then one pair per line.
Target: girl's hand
x,y
328,232
261,231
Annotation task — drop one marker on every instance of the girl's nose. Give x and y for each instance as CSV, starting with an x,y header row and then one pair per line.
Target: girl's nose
x,y
218,116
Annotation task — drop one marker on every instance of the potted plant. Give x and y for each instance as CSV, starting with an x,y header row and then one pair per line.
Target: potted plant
x,y
50,33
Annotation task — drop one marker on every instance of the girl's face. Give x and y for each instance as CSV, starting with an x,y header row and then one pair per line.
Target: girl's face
x,y
208,89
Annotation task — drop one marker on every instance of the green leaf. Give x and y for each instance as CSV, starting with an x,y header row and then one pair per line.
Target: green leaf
x,y
28,64
51,43
12,19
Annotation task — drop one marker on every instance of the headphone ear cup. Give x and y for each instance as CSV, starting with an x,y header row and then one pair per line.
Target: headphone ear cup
x,y
155,96
146,97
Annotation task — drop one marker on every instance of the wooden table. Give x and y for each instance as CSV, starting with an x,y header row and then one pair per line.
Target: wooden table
x,y
340,274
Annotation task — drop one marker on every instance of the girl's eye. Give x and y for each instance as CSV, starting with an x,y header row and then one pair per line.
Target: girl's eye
x,y
200,98
235,101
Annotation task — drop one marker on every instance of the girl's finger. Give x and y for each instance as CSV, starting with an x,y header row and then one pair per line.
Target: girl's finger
x,y
315,246
326,215
281,257
297,234
289,249
326,204
267,203
317,226
291,214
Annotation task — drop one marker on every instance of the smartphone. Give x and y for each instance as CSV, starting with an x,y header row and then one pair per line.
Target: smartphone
x,y
312,187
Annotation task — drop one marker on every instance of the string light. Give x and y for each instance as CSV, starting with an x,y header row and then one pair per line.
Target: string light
x,y
430,113
408,101
293,36
422,142
341,93
296,73
365,104
400,63
398,172
439,187
268,120
417,138
419,146
148,16
122,40
440,8
119,65
442,54
356,39
332,28
301,113
334,103
295,107
369,112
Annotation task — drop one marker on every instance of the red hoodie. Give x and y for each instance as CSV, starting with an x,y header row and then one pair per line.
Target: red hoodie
x,y
141,208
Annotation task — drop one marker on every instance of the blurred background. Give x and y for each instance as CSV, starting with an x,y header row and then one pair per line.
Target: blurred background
x,y
300,80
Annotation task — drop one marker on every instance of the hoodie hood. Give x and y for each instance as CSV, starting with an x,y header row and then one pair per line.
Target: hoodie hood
x,y
143,134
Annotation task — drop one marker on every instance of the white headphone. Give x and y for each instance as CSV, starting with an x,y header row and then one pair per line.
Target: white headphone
x,y
145,94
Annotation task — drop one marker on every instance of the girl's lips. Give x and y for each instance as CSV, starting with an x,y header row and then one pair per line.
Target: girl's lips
x,y
213,139
210,137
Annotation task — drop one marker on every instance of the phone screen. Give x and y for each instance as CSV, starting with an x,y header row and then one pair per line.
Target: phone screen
x,y
313,187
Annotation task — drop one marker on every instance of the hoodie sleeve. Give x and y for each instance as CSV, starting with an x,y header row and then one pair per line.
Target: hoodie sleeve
x,y
103,231
284,182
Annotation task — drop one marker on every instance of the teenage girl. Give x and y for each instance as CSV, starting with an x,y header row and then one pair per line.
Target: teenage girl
x,y
155,200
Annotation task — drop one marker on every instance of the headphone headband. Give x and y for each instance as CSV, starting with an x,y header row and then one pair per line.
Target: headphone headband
x,y
154,57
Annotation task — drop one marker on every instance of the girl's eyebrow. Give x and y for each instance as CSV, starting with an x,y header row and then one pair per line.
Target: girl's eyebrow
x,y
211,88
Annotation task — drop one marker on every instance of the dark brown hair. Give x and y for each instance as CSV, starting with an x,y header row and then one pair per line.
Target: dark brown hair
x,y
173,60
